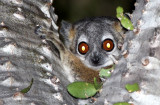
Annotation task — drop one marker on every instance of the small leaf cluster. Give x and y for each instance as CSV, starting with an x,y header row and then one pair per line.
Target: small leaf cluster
x,y
126,23
81,89
130,88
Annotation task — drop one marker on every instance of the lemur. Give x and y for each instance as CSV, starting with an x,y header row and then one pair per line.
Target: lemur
x,y
87,46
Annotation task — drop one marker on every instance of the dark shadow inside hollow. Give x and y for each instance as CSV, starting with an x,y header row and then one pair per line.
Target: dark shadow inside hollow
x,y
74,10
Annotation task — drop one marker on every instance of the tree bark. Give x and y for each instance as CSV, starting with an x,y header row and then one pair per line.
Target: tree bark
x,y
141,61
23,56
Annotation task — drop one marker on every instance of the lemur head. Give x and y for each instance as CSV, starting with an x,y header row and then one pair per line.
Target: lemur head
x,y
96,41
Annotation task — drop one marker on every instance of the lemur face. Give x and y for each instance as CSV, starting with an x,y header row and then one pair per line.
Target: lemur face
x,y
95,42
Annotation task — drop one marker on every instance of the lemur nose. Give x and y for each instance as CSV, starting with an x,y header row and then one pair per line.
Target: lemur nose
x,y
95,58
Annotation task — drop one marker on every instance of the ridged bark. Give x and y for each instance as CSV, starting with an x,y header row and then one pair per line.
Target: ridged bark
x,y
23,55
141,61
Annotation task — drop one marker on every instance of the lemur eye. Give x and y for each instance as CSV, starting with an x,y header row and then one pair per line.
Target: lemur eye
x,y
83,48
108,45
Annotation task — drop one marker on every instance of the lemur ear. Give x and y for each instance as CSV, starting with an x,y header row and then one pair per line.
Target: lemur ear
x,y
65,32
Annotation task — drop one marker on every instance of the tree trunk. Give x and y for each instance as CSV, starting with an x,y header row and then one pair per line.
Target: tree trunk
x,y
141,61
23,57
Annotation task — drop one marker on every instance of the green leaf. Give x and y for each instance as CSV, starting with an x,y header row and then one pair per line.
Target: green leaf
x,y
119,16
106,72
132,87
25,90
97,85
126,23
121,103
81,89
119,10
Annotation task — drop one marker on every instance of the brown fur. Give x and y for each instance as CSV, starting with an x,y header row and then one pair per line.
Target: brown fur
x,y
72,34
71,39
117,26
82,72
68,58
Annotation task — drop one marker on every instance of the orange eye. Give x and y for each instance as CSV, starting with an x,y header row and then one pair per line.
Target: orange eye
x,y
83,48
108,45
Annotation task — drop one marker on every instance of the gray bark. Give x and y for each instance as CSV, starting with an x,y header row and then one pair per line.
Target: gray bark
x,y
23,56
141,63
